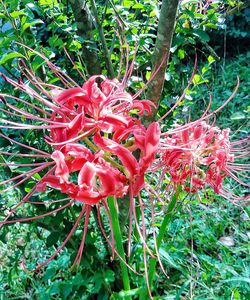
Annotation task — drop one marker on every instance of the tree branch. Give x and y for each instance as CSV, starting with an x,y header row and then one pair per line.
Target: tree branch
x,y
161,53
85,30
107,58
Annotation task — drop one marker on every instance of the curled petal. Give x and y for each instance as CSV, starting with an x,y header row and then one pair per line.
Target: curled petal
x,y
142,106
126,157
86,175
152,140
62,170
77,94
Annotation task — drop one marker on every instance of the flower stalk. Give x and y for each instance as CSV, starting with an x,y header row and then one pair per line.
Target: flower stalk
x,y
163,228
118,241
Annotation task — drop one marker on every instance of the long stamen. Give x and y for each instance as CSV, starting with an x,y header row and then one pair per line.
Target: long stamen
x,y
63,244
11,164
28,115
49,201
65,79
25,146
184,93
27,197
37,217
30,174
25,102
86,222
28,126
77,138
74,65
33,171
24,155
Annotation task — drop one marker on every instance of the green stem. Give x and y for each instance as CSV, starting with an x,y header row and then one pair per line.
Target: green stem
x,y
88,142
167,218
118,241
105,156
153,261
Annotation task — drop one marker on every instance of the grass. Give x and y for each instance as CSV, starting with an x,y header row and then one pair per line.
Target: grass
x,y
200,266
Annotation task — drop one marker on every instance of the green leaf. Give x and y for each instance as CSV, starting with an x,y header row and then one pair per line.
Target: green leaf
x,y
10,56
138,5
15,14
148,74
134,292
49,274
240,279
2,160
29,186
236,294
201,34
196,79
28,25
54,289
211,59
181,53
211,25
54,41
52,238
109,276
36,176
204,69
66,289
238,116
50,3
43,296
168,259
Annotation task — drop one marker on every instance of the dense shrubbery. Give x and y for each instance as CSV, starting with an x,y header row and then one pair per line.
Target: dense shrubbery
x,y
205,247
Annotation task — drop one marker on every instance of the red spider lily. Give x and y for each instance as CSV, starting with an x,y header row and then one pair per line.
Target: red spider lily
x,y
96,180
198,154
73,116
104,109
147,140
100,149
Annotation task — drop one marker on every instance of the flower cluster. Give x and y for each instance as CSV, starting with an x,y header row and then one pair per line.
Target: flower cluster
x,y
97,115
99,148
198,154
93,131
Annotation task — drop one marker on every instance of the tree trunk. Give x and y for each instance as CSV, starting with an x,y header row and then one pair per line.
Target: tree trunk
x,y
85,30
106,54
161,53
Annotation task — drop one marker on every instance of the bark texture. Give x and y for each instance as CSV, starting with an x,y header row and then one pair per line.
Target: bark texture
x,y
108,62
161,53
85,30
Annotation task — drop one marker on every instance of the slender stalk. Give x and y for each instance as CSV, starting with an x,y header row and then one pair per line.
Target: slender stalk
x,y
153,261
167,218
118,241
105,156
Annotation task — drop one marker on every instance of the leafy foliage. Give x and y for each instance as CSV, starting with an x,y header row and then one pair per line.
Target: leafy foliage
x,y
198,264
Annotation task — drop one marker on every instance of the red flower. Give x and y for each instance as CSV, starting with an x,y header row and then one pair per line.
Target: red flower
x,y
100,111
198,154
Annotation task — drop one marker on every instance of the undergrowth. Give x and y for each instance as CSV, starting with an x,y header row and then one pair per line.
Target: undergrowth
x,y
205,249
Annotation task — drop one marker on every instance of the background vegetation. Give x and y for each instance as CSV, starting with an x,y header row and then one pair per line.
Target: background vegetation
x,y
206,247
